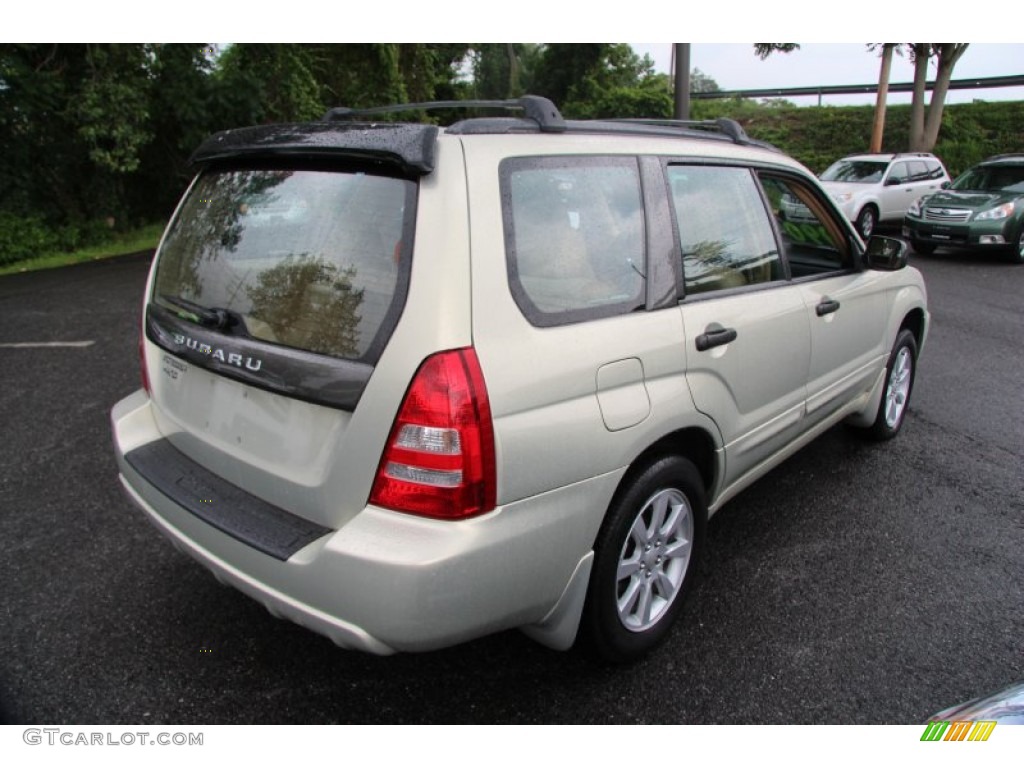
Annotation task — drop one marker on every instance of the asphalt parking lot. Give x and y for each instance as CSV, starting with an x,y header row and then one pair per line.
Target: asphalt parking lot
x,y
858,583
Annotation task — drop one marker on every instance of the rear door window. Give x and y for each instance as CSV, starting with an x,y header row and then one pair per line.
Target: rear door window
x,y
724,230
311,259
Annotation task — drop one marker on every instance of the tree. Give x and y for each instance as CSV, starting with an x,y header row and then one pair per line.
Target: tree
x,y
73,123
764,50
503,70
924,128
878,125
702,83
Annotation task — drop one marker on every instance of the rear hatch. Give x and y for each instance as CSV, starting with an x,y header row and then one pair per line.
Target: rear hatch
x,y
275,290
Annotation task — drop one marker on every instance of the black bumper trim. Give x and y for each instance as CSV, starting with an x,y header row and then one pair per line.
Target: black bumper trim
x,y
269,529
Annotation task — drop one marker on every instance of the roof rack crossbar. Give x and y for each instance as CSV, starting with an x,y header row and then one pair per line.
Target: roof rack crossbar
x,y
536,108
723,125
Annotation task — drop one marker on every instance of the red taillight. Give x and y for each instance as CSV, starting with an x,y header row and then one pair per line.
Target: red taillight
x,y
142,360
439,458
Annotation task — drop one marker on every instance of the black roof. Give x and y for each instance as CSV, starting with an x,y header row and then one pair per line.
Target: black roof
x,y
1011,158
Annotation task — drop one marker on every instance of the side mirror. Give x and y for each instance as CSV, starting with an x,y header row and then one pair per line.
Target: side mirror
x,y
886,253
947,184
892,182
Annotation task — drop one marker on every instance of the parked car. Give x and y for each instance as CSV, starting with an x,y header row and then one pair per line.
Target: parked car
x,y
409,385
874,188
983,209
1005,706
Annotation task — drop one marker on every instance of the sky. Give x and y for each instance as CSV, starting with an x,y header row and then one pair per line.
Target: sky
x,y
735,67
837,58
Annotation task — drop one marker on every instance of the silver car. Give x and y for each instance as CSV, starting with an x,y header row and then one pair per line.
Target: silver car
x,y
407,385
874,188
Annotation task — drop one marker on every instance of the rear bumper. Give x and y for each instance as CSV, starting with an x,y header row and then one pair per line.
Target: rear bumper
x,y
385,581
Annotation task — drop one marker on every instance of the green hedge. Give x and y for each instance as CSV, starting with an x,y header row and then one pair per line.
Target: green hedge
x,y
817,136
28,237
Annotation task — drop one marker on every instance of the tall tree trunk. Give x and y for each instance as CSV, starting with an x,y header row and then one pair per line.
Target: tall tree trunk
x,y
948,55
513,71
920,52
878,129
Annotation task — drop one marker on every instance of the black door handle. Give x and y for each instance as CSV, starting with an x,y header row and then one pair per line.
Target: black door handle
x,y
826,307
715,337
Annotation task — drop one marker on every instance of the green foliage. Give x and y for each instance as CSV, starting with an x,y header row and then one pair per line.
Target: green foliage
x,y
93,132
504,70
112,107
702,83
764,50
817,136
22,237
25,237
271,83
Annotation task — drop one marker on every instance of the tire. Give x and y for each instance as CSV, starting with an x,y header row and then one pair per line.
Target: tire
x,y
925,249
1016,252
899,383
645,559
867,221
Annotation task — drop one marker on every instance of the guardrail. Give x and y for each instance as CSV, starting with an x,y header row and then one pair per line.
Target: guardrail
x,y
1005,81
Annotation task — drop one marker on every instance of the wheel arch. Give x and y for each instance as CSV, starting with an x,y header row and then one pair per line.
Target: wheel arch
x,y
914,321
692,443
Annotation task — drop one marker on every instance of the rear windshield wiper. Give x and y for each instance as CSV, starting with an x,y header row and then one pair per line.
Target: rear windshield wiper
x,y
210,317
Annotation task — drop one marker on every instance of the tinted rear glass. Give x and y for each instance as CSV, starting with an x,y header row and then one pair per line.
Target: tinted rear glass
x,y
315,260
856,171
993,178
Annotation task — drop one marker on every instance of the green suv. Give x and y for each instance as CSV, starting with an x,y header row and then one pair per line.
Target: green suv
x,y
983,208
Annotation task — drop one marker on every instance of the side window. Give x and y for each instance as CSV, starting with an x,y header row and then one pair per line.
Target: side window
x,y
934,169
813,240
918,170
899,173
724,231
574,235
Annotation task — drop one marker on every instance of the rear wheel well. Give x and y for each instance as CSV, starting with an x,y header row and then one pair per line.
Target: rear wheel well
x,y
692,443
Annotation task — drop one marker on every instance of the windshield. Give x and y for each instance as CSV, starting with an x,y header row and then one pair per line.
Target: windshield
x,y
314,260
992,178
856,171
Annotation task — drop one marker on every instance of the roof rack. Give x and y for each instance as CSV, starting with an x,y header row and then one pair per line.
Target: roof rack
x,y
723,125
887,154
536,108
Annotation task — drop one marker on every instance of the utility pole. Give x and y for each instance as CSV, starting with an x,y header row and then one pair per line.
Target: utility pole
x,y
681,55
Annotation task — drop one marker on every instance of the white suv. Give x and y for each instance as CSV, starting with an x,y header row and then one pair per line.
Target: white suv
x,y
873,188
409,385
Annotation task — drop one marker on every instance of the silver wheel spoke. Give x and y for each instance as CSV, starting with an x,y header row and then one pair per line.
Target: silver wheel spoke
x,y
628,600
639,532
678,548
644,607
654,559
665,585
671,526
658,518
627,568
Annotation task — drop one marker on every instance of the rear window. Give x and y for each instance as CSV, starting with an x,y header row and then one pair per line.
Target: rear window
x,y
574,235
855,171
310,259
